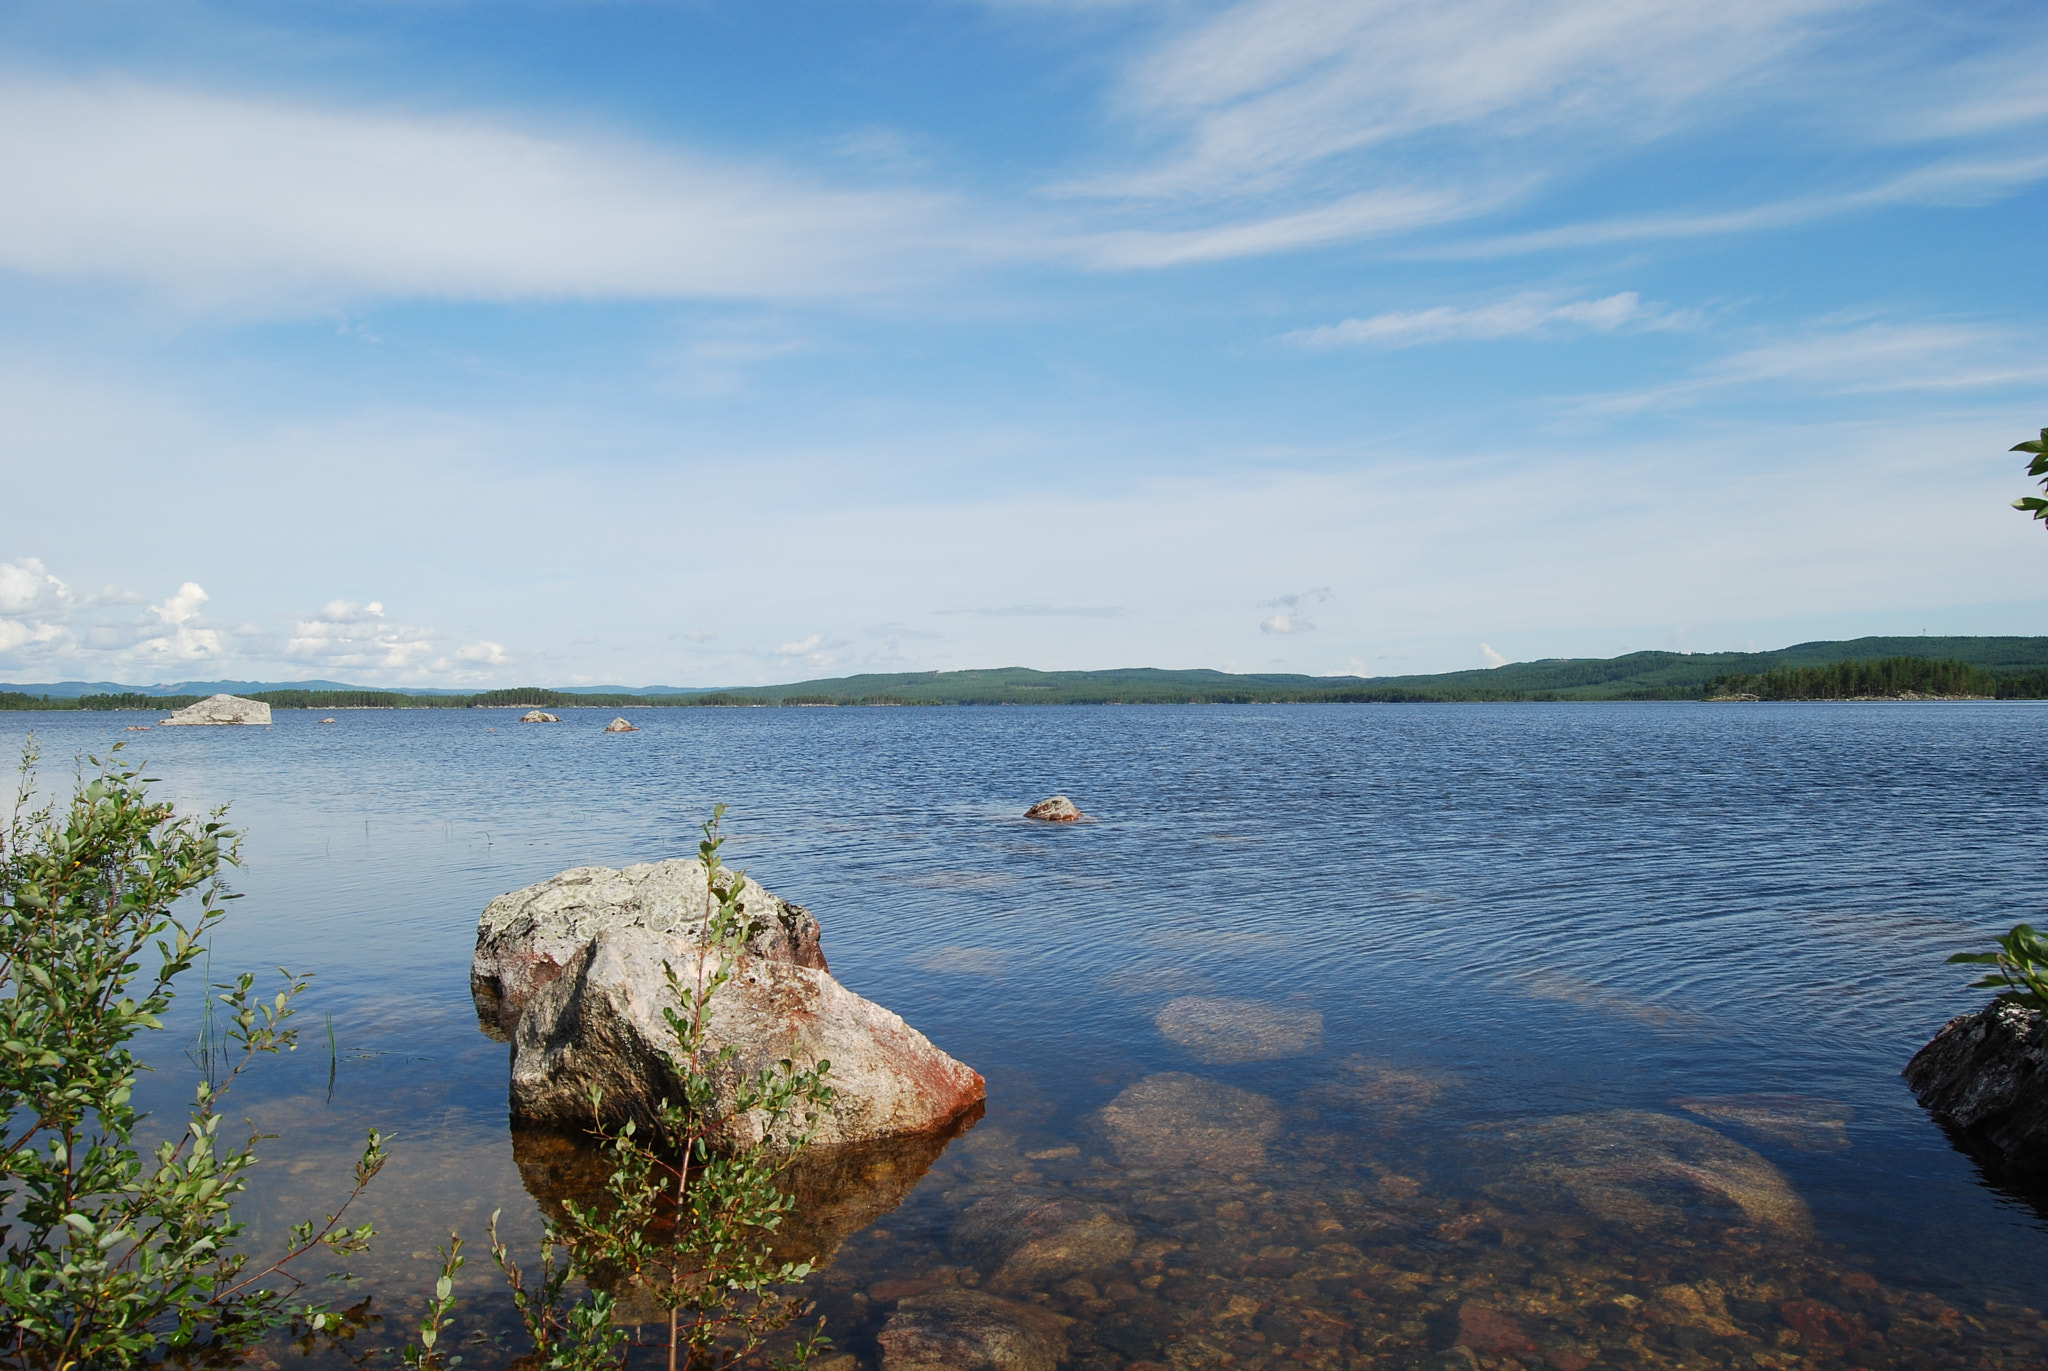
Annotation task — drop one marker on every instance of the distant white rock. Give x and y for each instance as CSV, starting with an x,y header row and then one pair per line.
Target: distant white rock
x,y
221,709
539,716
621,726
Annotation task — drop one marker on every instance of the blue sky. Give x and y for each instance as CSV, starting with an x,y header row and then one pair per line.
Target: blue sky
x,y
720,343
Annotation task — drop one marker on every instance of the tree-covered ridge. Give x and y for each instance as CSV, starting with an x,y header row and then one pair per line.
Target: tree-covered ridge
x,y
2017,668
1891,678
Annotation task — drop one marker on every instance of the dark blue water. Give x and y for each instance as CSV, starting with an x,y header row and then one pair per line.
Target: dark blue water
x,y
1520,912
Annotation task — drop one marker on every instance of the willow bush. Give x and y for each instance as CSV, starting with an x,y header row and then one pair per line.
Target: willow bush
x,y
113,1254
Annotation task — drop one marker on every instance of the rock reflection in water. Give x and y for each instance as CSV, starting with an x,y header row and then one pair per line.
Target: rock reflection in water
x,y
838,1190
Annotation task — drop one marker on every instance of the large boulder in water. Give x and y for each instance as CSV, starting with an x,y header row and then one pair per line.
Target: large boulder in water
x,y
524,939
600,1023
220,709
956,1329
1986,1075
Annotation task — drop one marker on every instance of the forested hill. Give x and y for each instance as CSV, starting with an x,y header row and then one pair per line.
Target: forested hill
x,y
2008,667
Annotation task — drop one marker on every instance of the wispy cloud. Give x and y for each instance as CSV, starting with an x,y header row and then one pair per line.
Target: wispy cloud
x,y
261,202
1042,612
802,647
1492,658
1527,316
1857,359
1253,97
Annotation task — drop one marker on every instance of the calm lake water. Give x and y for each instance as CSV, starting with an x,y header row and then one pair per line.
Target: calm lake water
x,y
1501,1035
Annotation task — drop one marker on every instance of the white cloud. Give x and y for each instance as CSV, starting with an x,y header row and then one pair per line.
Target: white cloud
x,y
1528,316
261,202
346,634
484,653
1258,94
1832,358
801,647
33,607
1288,619
186,638
1493,659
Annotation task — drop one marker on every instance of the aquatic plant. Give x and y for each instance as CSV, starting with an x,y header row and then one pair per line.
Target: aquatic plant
x,y
682,1224
110,1256
2022,967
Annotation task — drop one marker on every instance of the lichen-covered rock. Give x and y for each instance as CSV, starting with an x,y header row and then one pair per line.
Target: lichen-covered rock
x,y
1987,1074
1221,1030
221,709
1175,1121
621,726
600,1024
1026,1241
1643,1170
1058,810
539,716
955,1329
524,939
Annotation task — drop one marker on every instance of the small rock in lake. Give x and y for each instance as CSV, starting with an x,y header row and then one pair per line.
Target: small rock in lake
x,y
539,716
956,1329
621,726
1221,1031
327,721
1984,1073
1798,1121
1644,1170
1031,1240
138,728
1175,1120
221,709
1058,810
1389,1092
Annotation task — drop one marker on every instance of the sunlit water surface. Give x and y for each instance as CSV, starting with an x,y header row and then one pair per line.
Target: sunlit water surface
x,y
1612,1004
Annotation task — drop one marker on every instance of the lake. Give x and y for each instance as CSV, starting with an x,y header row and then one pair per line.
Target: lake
x,y
1440,1035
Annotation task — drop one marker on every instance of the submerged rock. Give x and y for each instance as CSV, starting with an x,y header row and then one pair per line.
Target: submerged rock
x,y
1026,1241
539,716
1984,1075
621,726
221,709
955,1329
1388,1092
1643,1170
525,938
600,1024
1220,1031
1174,1120
1797,1121
1058,810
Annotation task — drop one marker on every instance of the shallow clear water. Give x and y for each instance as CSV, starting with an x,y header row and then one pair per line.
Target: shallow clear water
x,y
1612,998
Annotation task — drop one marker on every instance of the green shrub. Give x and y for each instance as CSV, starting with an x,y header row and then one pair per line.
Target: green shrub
x,y
110,1256
2022,967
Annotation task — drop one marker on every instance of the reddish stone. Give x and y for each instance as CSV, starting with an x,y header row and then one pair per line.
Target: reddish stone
x,y
1821,1324
1058,810
1566,1360
1492,1332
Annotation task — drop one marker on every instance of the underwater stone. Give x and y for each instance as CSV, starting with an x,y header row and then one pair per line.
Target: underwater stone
x,y
600,1024
220,709
1031,1240
1984,1074
524,939
1644,1170
1220,1031
1177,1120
967,1330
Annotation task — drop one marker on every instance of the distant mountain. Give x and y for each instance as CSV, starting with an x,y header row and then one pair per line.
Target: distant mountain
x,y
1636,676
